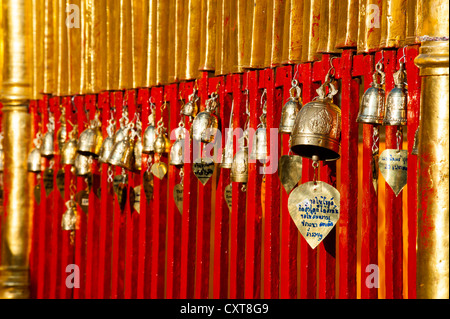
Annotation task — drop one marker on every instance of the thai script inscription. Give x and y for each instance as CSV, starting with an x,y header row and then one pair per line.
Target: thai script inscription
x,y
316,214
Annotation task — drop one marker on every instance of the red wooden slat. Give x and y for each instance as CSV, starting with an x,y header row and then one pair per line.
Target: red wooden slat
x,y
159,214
237,219
289,232
414,87
222,213
106,208
118,248
173,215
254,210
349,177
189,218
308,257
393,211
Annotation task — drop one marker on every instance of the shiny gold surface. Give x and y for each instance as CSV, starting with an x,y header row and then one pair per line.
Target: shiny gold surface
x,y
393,23
126,71
258,34
433,169
192,53
329,11
435,18
292,46
370,21
244,31
77,65
36,45
150,72
347,24
413,21
112,44
278,9
208,35
162,49
310,41
61,49
50,41
140,39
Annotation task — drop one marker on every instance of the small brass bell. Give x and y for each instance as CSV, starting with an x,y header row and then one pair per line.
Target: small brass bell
x,y
91,140
396,102
34,162
121,134
149,140
372,106
82,165
69,152
192,106
47,147
227,157
123,154
69,218
239,168
259,149
138,154
61,135
162,144
290,109
105,150
205,125
317,127
415,149
177,150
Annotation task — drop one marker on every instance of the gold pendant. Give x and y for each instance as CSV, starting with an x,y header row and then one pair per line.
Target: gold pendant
x,y
394,168
178,197
290,171
374,166
120,185
204,169
315,210
228,194
159,169
48,181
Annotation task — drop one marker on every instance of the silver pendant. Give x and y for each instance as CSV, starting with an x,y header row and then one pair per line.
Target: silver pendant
x,y
203,169
178,197
290,171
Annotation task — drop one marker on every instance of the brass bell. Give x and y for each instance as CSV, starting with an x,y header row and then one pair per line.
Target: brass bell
x,y
162,144
90,141
205,125
227,156
177,153
122,154
290,109
105,150
317,127
69,152
121,134
47,148
372,106
61,136
138,154
415,149
148,145
239,168
69,218
34,162
396,102
82,165
192,106
259,148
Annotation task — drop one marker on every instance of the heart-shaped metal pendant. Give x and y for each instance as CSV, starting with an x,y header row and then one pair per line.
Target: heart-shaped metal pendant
x,y
159,169
120,185
135,199
393,165
315,210
178,197
290,171
228,194
204,169
82,199
48,181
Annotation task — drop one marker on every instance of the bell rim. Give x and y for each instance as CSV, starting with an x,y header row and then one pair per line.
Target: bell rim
x,y
369,119
239,178
312,141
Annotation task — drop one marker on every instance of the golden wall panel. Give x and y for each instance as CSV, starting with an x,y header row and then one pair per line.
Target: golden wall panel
x,y
311,21
37,47
208,35
347,24
329,11
369,31
393,23
112,44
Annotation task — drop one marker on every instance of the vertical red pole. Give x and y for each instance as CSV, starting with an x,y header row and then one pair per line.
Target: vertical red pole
x,y
222,212
349,177
289,232
254,208
308,257
393,212
173,214
159,214
189,218
106,208
414,87
238,212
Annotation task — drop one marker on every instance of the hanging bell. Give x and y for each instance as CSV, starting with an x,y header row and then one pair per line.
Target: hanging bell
x,y
122,154
259,149
177,153
69,218
90,141
227,156
372,106
82,165
34,162
149,140
396,102
69,152
61,135
290,109
105,150
415,149
47,148
121,134
192,106
137,166
162,144
239,168
205,125
317,127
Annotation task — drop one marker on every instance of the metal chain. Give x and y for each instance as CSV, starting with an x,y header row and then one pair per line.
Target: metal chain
x,y
376,138
110,174
181,176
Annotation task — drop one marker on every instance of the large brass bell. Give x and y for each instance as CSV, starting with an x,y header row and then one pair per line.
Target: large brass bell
x,y
177,150
317,127
192,106
34,162
239,168
69,152
290,109
396,102
82,165
69,218
205,125
372,106
91,140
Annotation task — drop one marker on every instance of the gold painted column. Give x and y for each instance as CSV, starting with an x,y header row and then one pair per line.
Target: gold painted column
x,y
433,165
16,219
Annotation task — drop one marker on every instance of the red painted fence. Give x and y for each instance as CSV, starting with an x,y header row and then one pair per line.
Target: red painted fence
x,y
253,250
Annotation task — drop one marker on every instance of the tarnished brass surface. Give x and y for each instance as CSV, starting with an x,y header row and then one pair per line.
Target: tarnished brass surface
x,y
433,164
292,45
413,21
369,31
347,24
393,23
329,12
310,41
